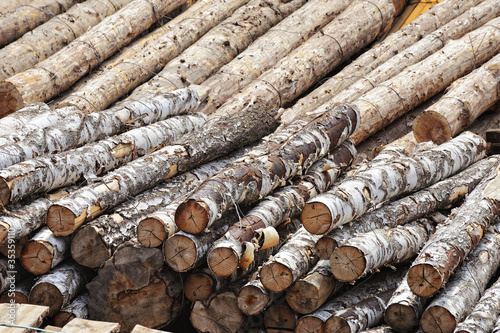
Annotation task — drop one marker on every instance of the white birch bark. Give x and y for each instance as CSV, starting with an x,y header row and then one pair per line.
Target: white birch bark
x,y
497,326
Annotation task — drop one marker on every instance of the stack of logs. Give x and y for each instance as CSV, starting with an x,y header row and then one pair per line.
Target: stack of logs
x,y
211,190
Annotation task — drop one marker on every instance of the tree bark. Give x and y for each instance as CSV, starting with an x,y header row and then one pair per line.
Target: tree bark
x,y
135,287
465,100
11,273
279,318
28,16
426,23
12,6
20,294
466,286
250,178
60,71
53,35
78,308
355,195
458,236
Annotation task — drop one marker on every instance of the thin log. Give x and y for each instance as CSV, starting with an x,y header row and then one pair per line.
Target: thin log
x,y
465,100
353,197
20,294
279,318
458,236
78,308
53,35
466,286
200,284
58,72
253,297
44,251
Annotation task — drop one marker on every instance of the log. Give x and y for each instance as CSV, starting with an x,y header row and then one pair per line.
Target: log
x,y
90,326
23,315
78,308
253,297
279,318
458,236
353,197
11,272
29,15
11,6
44,251
426,23
310,292
465,100
249,179
20,294
466,286
258,57
78,128
18,247
148,56
200,284
135,287
60,286
61,70
369,251
53,35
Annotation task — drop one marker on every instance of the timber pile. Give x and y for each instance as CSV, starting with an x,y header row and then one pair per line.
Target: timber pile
x,y
211,194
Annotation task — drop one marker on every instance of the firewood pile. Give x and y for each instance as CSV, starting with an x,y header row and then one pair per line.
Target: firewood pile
x,y
250,165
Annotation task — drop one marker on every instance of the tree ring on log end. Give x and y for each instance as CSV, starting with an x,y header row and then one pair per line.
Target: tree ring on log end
x,y
223,261
198,286
11,99
37,257
275,276
401,318
316,218
310,324
61,220
348,263
4,192
438,319
424,280
251,300
180,253
431,126
151,232
47,294
88,249
191,217
338,325
325,246
303,297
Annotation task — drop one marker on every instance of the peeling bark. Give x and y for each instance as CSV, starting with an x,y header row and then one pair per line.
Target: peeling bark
x,y
78,308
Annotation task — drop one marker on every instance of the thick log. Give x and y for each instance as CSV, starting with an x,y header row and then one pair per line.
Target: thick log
x,y
53,35
458,236
78,308
249,179
78,128
20,294
44,251
466,286
426,23
58,72
279,318
91,326
28,16
310,292
465,100
58,288
369,251
24,315
258,57
353,197
147,57
135,287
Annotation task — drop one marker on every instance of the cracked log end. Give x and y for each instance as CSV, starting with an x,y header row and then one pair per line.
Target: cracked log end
x,y
310,324
191,217
4,192
88,249
304,297
198,286
431,126
47,294
276,277
223,261
348,263
151,232
221,316
61,220
424,280
337,325
252,300
324,247
279,318
316,218
37,257
438,319
180,253
401,318
4,231
11,99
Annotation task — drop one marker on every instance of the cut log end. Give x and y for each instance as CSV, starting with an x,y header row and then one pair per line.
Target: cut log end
x,y
180,253
191,217
4,231
88,249
198,286
221,316
279,318
316,218
37,257
348,263
303,297
437,319
401,318
151,232
276,277
11,99
223,261
325,246
310,324
431,126
61,220
424,280
251,300
4,191
19,298
48,295
62,318
337,325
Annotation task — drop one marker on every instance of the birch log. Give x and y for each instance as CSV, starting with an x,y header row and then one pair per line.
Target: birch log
x,y
28,16
253,297
147,57
11,273
465,100
252,178
11,6
279,318
20,293
135,287
53,35
414,206
200,284
458,236
58,72
78,308
78,128
426,23
353,197
466,286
